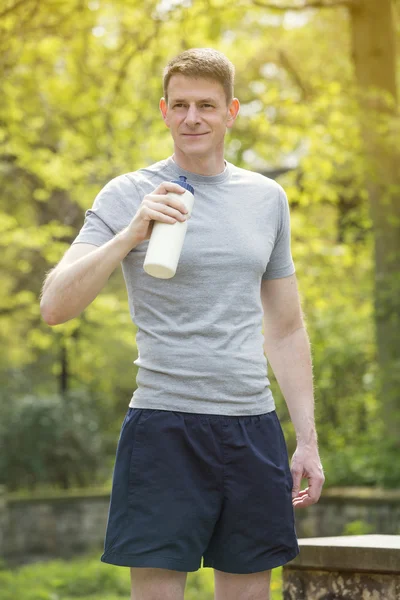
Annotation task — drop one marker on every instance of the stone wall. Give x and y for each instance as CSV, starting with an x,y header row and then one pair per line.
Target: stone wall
x,y
351,510
68,524
64,526
359,566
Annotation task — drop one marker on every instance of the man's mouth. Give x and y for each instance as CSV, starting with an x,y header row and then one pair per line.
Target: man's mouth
x,y
195,134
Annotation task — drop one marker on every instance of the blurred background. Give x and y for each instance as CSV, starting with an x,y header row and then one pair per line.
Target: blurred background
x,y
80,86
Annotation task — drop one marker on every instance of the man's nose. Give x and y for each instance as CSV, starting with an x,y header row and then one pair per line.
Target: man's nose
x,y
192,115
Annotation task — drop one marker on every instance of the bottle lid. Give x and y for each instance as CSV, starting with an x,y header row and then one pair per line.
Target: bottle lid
x,y
183,183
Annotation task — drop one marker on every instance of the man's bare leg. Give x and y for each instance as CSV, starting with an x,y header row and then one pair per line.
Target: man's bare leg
x,y
254,586
157,584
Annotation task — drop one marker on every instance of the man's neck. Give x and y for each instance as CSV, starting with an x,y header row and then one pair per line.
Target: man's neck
x,y
199,166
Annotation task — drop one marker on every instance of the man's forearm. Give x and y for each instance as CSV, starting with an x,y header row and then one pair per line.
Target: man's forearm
x,y
290,359
70,289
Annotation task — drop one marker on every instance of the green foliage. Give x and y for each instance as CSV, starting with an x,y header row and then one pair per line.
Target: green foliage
x,y
81,86
358,527
59,579
49,439
88,579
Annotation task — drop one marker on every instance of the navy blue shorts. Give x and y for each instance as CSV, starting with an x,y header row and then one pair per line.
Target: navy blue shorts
x,y
188,487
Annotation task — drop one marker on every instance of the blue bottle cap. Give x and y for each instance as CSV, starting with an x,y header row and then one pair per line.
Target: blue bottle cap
x,y
183,183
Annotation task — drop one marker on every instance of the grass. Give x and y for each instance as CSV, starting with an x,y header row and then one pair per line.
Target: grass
x,y
87,578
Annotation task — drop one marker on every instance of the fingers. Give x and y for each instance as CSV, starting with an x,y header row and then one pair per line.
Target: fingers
x,y
168,186
302,493
296,475
311,494
158,206
167,200
302,501
161,195
157,209
161,206
161,215
306,463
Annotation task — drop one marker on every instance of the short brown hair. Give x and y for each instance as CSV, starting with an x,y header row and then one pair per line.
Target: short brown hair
x,y
202,62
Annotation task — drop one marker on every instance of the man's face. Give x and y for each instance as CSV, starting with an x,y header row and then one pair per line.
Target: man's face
x,y
197,114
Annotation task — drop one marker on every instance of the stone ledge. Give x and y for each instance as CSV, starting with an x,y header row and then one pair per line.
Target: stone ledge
x,y
373,553
300,584
72,494
361,494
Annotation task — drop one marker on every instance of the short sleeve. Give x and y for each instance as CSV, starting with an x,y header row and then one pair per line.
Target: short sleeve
x,y
281,262
113,209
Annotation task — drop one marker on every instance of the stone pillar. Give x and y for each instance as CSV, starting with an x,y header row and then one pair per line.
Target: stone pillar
x,y
360,567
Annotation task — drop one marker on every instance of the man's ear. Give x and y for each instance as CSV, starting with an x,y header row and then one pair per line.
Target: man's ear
x,y
233,110
163,108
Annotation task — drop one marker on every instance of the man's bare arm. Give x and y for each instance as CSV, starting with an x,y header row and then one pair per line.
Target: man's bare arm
x,y
284,328
85,269
287,349
79,277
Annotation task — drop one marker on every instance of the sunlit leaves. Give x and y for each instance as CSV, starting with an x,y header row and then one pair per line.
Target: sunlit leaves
x,y
81,84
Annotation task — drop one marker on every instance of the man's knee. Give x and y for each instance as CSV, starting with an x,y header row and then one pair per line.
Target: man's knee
x,y
253,586
157,584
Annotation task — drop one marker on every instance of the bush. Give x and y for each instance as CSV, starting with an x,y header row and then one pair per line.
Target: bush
x,y
49,440
358,527
89,579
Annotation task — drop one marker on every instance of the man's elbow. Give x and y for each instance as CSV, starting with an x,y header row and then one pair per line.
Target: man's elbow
x,y
280,338
52,317
47,315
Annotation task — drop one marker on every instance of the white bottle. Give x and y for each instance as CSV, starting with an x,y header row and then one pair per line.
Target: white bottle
x,y
166,240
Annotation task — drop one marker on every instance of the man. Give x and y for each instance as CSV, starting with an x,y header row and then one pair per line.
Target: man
x,y
201,469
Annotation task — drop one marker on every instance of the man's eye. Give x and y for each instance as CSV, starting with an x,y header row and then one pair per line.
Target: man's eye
x,y
207,105
178,104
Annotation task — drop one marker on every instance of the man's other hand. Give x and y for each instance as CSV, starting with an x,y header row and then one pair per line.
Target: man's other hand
x,y
306,464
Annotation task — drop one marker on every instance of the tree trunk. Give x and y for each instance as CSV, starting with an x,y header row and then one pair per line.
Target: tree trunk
x,y
374,58
64,374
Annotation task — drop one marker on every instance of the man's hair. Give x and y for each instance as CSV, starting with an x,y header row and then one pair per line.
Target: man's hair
x,y
205,63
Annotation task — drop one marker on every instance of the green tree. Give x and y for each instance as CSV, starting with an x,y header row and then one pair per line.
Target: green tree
x,y
374,60
81,85
48,440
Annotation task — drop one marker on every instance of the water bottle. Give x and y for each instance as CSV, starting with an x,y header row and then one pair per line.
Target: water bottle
x,y
166,239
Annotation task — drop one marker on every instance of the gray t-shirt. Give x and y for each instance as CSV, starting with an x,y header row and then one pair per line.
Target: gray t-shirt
x,y
199,334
